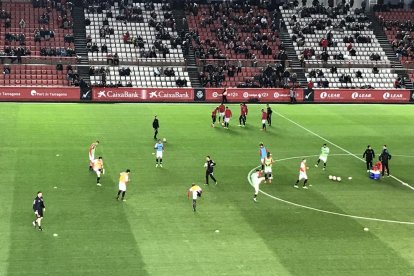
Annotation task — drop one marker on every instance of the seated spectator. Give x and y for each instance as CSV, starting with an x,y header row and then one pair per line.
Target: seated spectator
x,y
6,70
7,23
22,23
104,48
157,72
116,59
125,37
95,48
59,67
181,82
375,70
169,72
352,53
358,74
334,70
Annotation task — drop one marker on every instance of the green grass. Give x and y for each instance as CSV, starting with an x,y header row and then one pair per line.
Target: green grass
x,y
156,233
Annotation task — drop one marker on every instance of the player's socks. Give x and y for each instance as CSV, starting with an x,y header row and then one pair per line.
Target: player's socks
x,y
40,228
98,179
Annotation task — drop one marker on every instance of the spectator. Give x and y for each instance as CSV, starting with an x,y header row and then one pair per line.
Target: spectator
x,y
116,59
104,48
375,70
6,70
22,23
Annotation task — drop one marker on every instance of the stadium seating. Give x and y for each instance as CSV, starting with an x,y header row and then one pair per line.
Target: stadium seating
x,y
140,76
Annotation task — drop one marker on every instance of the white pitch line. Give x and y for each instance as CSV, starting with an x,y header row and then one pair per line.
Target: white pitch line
x,y
339,147
320,210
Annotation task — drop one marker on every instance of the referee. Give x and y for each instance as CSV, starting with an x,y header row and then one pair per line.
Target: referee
x,y
38,208
155,126
209,165
369,155
384,158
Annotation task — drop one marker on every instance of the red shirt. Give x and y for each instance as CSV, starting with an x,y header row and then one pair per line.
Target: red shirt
x,y
324,43
264,115
310,85
221,108
227,113
243,110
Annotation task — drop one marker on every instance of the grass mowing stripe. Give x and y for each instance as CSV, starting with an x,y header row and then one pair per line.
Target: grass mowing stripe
x,y
339,147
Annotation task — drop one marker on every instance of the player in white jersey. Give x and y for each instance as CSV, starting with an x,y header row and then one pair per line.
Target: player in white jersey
x,y
257,179
323,156
91,152
302,174
195,191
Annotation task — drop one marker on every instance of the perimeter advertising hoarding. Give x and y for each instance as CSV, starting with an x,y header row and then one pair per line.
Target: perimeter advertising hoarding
x,y
40,94
129,94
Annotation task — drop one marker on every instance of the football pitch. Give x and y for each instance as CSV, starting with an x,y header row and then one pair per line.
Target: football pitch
x,y
319,231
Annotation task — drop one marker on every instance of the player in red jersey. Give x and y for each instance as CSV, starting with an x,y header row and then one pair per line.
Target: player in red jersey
x,y
243,115
221,110
227,116
92,148
214,117
264,119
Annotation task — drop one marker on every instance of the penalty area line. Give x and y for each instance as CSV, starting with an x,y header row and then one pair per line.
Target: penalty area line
x,y
339,147
323,211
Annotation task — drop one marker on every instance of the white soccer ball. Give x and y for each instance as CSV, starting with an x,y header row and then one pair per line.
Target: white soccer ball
x,y
350,178
334,178
330,177
338,178
164,140
366,229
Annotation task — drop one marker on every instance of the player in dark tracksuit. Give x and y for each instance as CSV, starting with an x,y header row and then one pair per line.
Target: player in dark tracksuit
x,y
269,115
209,169
155,126
384,158
369,155
38,208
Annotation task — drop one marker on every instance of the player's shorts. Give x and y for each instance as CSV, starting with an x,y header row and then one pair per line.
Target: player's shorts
x,y
98,172
158,154
122,186
227,120
323,158
221,114
39,214
263,121
303,175
267,169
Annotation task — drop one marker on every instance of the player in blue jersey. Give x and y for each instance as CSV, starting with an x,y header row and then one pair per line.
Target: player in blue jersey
x,y
159,149
263,154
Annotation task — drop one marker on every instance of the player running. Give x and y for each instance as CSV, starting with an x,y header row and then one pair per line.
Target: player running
x,y
209,165
123,181
221,110
323,156
243,115
227,116
98,167
38,208
302,174
268,163
263,153
257,179
196,191
92,149
159,149
214,117
264,119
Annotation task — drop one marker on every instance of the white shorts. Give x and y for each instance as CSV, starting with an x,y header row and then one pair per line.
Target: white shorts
x,y
256,183
98,173
91,156
303,175
159,154
323,158
263,121
227,120
122,186
267,169
221,114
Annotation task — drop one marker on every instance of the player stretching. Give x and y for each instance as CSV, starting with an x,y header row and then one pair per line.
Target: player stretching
x,y
263,154
268,163
214,117
196,191
92,149
159,149
243,114
227,116
302,174
264,118
38,208
323,156
221,110
99,169
123,181
209,165
257,179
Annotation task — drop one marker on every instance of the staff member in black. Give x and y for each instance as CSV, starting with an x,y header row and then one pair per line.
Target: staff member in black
x,y
369,155
384,157
209,165
155,126
38,208
224,97
269,115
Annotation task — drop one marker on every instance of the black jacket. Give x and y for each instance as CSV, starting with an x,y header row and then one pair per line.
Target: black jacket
x,y
369,154
155,124
385,156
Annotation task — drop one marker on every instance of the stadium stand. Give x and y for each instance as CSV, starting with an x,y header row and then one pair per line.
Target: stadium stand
x,y
341,37
141,33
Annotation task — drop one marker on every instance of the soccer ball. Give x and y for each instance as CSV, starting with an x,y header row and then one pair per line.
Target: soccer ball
x,y
334,178
330,177
338,178
164,140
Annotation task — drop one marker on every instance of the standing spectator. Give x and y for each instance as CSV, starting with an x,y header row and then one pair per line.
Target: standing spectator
x,y
324,44
292,94
239,66
369,155
155,126
384,158
22,23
